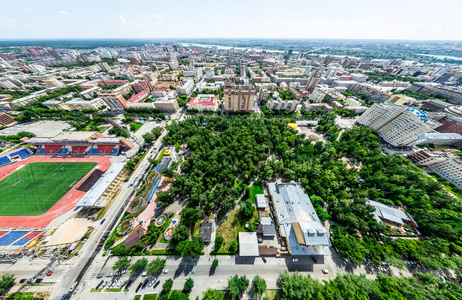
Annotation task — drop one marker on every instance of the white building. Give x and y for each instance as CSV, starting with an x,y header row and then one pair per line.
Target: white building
x,y
289,105
186,88
317,95
397,125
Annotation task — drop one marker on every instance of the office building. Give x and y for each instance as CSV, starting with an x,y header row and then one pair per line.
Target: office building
x,y
238,97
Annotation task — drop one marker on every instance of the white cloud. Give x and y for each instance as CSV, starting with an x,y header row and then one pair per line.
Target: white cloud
x,y
8,24
62,12
122,20
28,8
159,18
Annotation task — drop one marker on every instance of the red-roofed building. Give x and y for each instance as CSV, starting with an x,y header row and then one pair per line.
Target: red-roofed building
x,y
203,102
138,97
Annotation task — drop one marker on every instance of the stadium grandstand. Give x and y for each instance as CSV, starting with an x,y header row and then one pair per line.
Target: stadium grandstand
x,y
14,155
16,239
80,143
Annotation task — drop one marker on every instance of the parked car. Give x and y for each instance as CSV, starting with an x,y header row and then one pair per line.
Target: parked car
x,y
138,287
314,259
100,284
157,283
260,240
165,271
295,260
109,274
264,259
145,283
104,284
144,274
152,281
97,276
325,271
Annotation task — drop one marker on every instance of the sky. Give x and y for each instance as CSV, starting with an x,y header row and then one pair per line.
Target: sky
x,y
138,19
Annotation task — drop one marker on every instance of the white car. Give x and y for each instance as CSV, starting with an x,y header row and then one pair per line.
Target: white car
x,y
325,271
165,271
295,260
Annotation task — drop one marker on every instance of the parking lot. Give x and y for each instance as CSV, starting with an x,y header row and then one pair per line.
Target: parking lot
x,y
40,129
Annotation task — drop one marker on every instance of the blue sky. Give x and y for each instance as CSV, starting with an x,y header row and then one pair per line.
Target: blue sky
x,y
356,19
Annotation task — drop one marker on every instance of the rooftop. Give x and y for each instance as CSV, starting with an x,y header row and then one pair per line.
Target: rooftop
x,y
298,220
248,244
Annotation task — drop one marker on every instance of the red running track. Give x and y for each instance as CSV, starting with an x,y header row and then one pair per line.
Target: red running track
x,y
65,204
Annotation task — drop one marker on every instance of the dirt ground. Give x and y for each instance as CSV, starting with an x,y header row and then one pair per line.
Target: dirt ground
x,y
72,230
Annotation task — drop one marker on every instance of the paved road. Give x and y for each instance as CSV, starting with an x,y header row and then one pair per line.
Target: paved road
x,y
69,277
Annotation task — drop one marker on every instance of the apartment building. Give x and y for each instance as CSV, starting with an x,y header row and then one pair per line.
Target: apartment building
x,y
238,97
113,99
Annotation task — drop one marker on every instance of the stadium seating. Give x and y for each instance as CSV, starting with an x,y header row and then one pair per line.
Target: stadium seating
x,y
21,242
94,151
11,237
115,150
22,153
32,235
42,150
48,149
2,233
4,160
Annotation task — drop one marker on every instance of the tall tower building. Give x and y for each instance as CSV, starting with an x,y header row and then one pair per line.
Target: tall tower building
x,y
238,97
313,81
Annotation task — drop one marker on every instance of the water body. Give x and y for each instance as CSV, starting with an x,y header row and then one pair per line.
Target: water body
x,y
228,47
441,56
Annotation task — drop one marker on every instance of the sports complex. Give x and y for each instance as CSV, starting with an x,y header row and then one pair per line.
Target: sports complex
x,y
36,189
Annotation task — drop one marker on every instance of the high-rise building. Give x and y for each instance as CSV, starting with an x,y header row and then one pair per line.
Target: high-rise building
x,y
313,81
238,97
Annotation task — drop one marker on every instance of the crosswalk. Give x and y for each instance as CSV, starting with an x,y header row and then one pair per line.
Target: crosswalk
x,y
330,262
91,272
64,273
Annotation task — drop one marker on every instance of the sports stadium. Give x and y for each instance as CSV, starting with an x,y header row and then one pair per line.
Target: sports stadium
x,y
38,185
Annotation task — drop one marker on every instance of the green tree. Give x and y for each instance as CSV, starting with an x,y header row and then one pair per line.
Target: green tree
x,y
237,285
218,242
188,285
121,263
212,295
259,286
148,138
138,266
215,263
155,266
191,248
181,233
6,281
167,286
168,172
164,199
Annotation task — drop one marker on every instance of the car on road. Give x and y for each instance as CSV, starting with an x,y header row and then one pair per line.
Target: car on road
x,y
325,271
109,274
49,273
295,260
102,221
314,259
97,276
139,287
73,286
22,280
264,259
38,280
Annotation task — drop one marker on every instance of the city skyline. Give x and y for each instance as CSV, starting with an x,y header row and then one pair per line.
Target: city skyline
x,y
413,20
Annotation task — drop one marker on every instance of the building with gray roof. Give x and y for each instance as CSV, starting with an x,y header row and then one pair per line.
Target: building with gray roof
x,y
299,225
385,213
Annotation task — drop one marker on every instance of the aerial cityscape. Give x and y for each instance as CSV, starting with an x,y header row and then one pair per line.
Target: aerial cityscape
x,y
212,152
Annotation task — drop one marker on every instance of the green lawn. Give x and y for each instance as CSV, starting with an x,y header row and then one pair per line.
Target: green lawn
x,y
36,187
135,126
255,189
150,297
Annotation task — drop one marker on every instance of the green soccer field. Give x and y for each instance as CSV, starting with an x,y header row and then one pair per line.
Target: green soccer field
x,y
36,187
